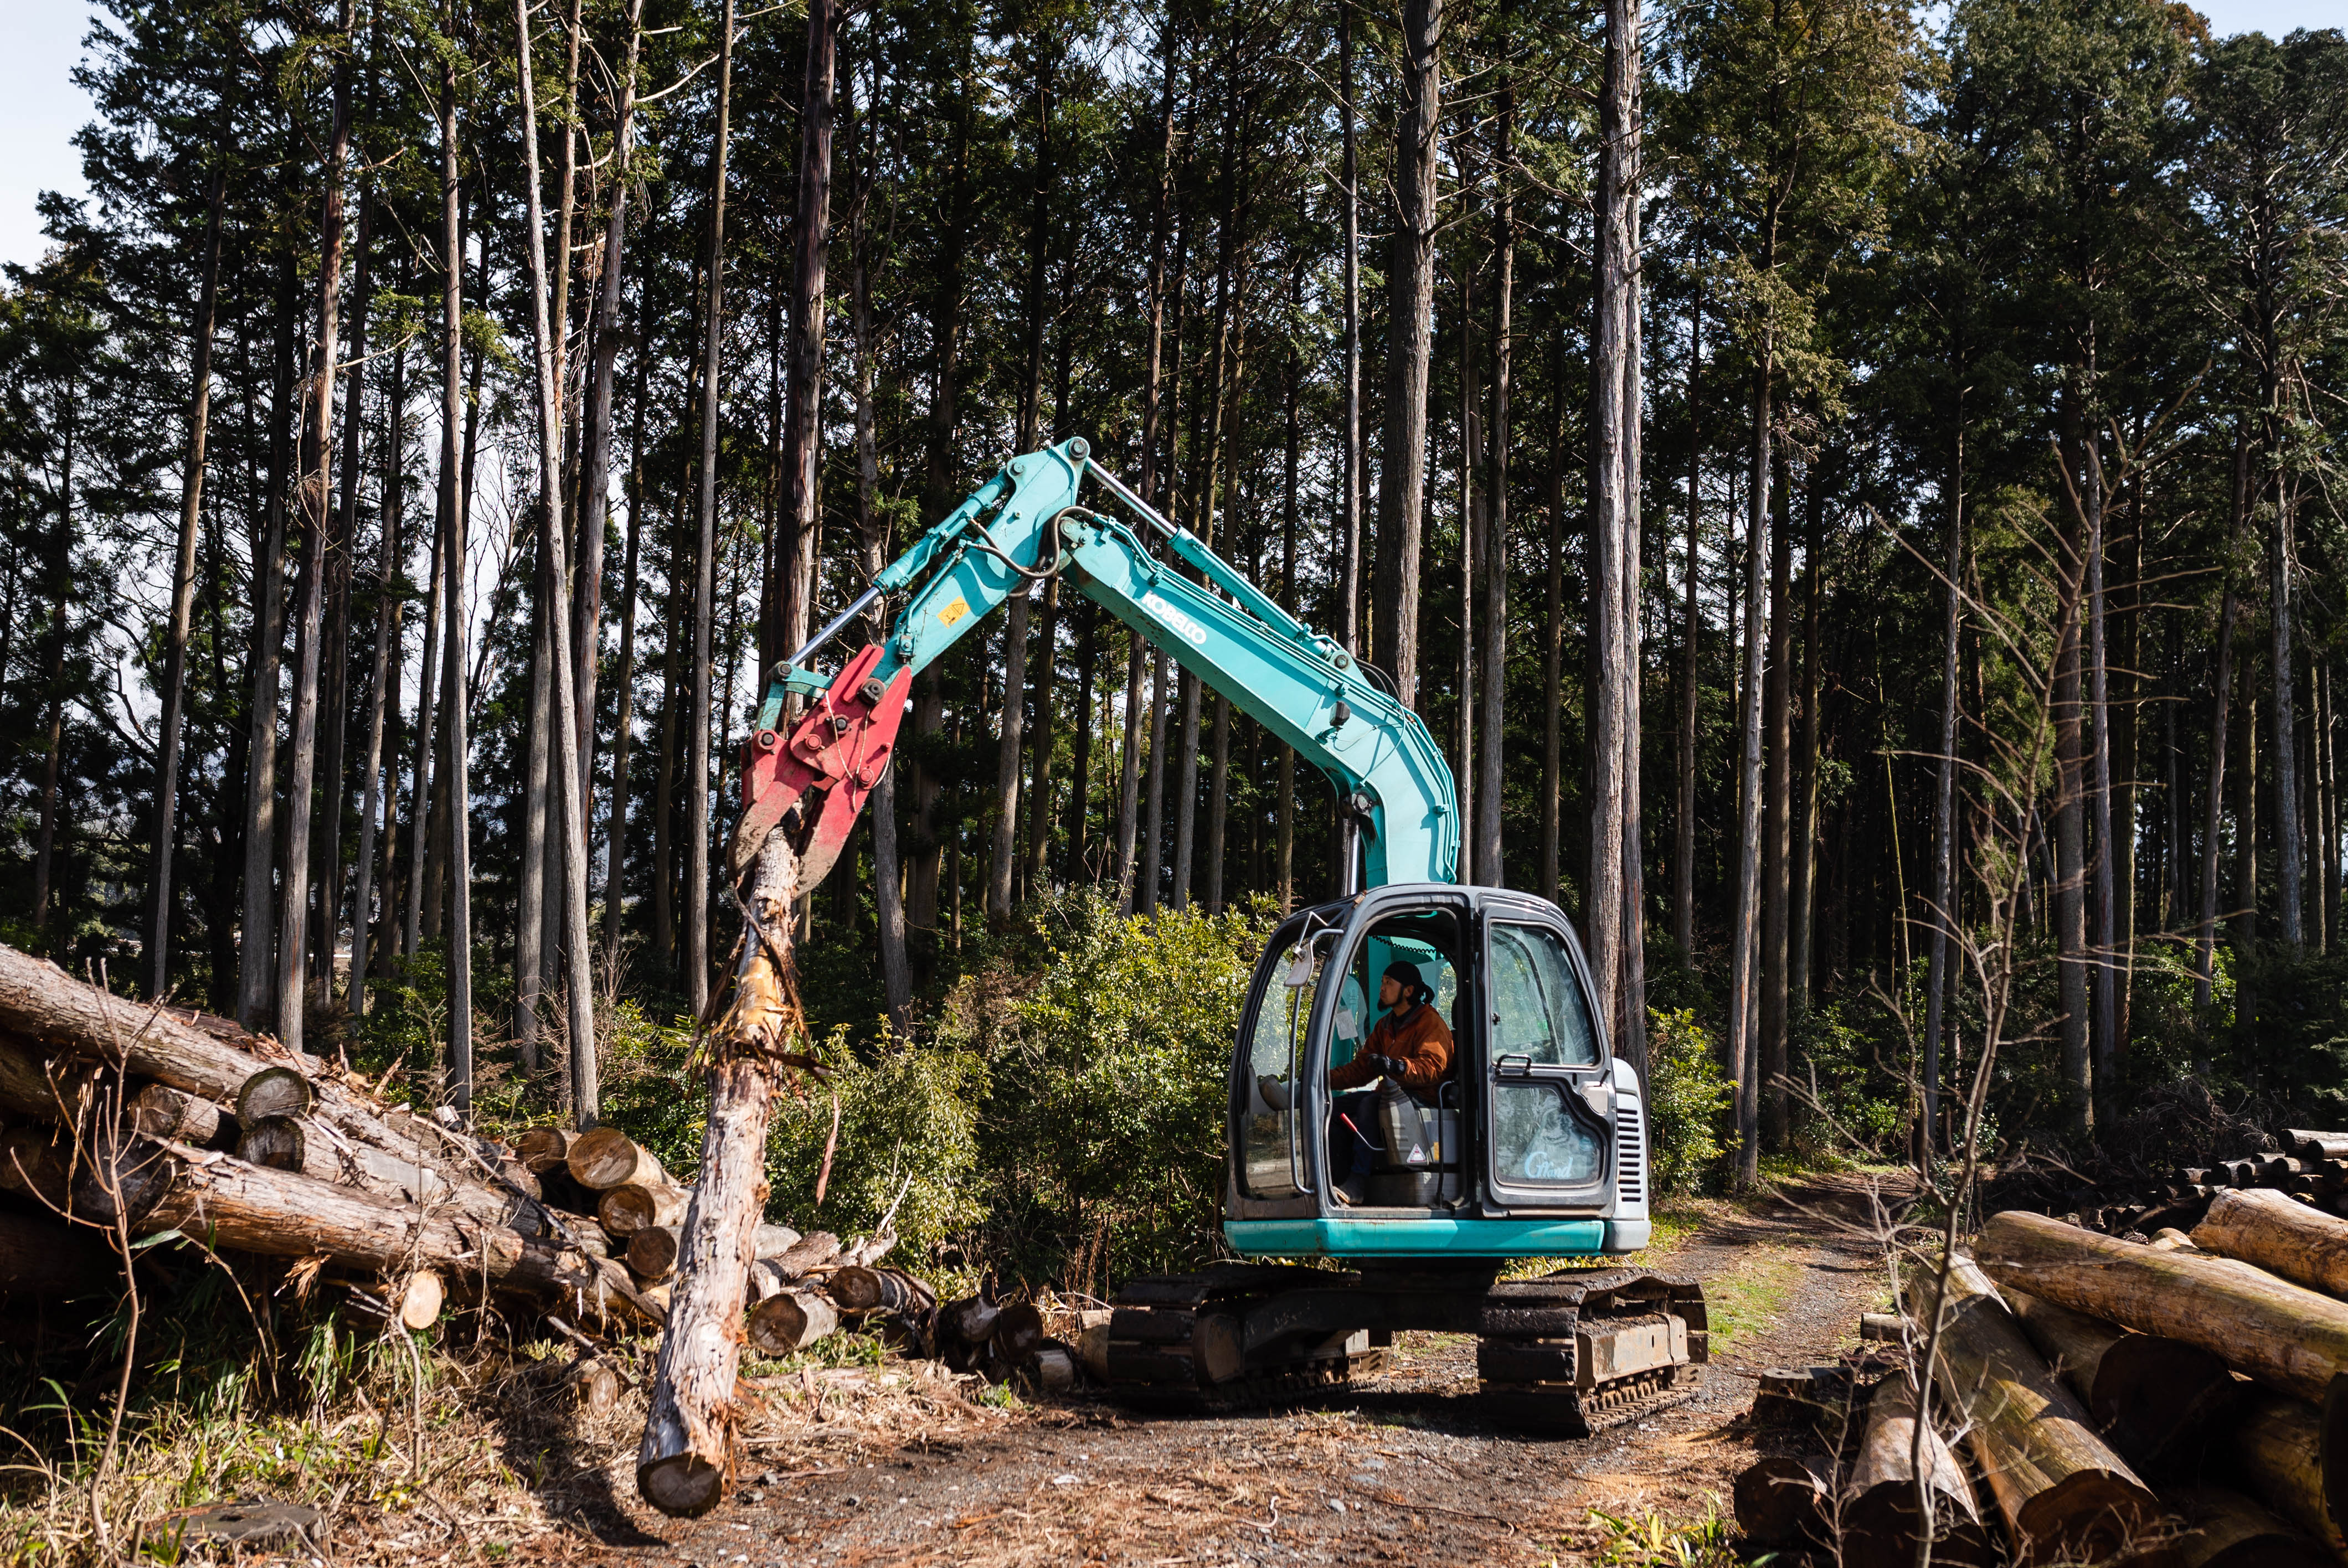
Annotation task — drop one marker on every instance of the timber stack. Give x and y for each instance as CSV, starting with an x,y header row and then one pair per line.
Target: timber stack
x,y
2310,1166
123,1120
2176,1400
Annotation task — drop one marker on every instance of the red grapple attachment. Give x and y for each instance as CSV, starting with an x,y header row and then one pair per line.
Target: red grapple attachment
x,y
837,753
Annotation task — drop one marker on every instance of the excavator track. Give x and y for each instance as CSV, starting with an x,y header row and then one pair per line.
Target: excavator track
x,y
1581,1351
1565,1356
1174,1343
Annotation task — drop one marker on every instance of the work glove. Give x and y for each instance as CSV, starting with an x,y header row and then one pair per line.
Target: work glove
x,y
1390,1067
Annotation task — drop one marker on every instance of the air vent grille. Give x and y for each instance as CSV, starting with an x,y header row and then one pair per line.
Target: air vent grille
x,y
1630,1154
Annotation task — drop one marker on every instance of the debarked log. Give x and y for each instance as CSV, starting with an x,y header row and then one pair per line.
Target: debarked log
x,y
2293,1340
2063,1491
624,1210
606,1157
2276,1232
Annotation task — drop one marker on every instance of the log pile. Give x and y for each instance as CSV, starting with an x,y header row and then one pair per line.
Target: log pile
x,y
116,1113
2182,1399
2310,1166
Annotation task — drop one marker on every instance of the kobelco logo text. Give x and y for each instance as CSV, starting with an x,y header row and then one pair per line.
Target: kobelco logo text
x,y
1192,632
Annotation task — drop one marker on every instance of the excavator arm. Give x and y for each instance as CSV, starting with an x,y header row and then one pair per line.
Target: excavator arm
x,y
1026,524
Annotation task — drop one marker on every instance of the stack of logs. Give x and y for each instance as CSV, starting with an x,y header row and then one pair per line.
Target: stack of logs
x,y
2181,1400
123,1121
2312,1167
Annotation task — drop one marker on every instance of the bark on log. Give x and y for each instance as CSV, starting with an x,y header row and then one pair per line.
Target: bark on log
x,y
606,1158
625,1210
791,1320
2275,1232
1880,1517
2293,1456
31,1163
806,1254
2312,1145
284,1144
160,1111
683,1464
1886,1326
2293,1340
226,1202
274,1091
544,1149
1781,1501
2060,1488
2154,1401
652,1252
46,1259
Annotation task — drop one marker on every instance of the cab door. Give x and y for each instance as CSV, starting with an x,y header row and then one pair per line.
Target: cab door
x,y
1546,1078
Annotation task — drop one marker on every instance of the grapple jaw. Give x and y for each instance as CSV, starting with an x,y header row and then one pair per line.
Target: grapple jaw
x,y
824,769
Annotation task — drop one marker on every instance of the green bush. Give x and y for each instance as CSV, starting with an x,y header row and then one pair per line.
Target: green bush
x,y
1688,1098
1103,1136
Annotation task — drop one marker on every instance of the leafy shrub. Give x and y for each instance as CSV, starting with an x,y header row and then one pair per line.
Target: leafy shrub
x,y
1104,1126
1688,1097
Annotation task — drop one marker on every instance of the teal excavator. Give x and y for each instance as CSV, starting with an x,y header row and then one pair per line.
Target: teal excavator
x,y
1532,1147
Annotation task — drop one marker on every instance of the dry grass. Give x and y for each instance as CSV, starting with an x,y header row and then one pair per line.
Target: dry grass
x,y
484,1460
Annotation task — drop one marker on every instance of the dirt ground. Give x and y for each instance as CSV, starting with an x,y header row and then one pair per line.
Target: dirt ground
x,y
1402,1469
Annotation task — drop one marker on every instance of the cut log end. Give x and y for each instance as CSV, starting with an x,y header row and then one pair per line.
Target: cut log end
x,y
683,1486
417,1299
274,1091
790,1322
595,1388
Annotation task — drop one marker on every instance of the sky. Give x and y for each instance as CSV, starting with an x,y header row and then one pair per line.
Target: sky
x,y
40,107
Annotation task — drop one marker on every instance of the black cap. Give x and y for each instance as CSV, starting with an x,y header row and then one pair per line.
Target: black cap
x,y
1409,975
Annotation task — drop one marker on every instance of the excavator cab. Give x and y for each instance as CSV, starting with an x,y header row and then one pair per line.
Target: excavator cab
x,y
1534,1145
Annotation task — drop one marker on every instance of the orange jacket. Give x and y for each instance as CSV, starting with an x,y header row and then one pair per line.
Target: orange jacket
x,y
1421,1042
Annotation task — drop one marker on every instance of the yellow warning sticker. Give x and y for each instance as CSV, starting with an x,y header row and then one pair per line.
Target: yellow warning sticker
x,y
956,608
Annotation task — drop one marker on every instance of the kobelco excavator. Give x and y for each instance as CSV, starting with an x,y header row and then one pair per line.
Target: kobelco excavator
x,y
1531,1146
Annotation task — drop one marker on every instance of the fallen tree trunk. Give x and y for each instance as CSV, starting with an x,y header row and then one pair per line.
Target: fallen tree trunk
x,y
2275,1232
2289,1337
2310,1145
2154,1401
1882,1512
2061,1489
285,1143
683,1464
226,1202
859,1289
2294,1457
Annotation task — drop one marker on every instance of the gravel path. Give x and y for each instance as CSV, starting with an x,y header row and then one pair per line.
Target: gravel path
x,y
1402,1471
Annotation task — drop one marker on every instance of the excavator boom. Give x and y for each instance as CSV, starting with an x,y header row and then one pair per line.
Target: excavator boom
x,y
1026,524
